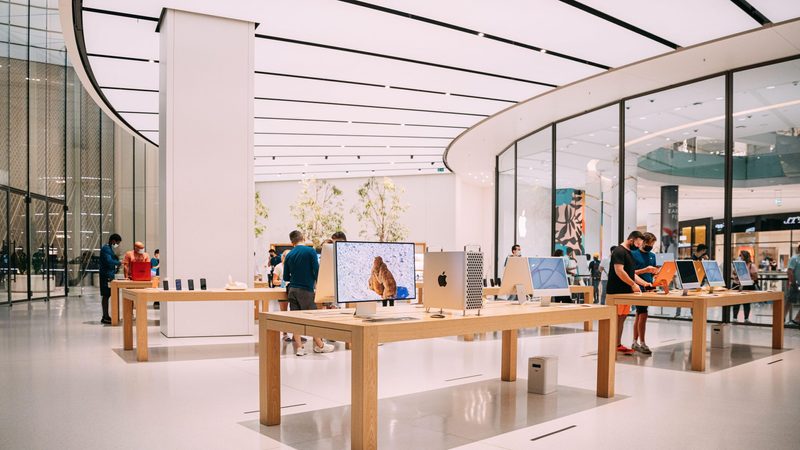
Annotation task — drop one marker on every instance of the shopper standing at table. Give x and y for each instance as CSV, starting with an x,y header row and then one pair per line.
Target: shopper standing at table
x,y
744,255
272,261
605,269
595,270
109,264
300,270
136,255
645,261
155,266
792,292
622,279
516,251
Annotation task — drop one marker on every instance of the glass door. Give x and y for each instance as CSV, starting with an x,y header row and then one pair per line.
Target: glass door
x,y
19,259
5,250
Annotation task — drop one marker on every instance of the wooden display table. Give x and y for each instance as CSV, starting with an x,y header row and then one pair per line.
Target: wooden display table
x,y
116,285
699,303
365,337
140,297
587,291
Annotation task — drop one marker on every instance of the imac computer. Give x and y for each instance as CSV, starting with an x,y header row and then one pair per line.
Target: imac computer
x,y
664,276
368,272
742,273
687,275
325,278
549,277
713,274
516,278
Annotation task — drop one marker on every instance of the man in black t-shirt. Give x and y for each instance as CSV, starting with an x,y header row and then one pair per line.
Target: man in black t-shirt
x,y
622,279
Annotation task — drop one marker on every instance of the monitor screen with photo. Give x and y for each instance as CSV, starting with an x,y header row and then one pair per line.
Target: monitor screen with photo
x,y
713,274
549,277
688,274
741,271
374,271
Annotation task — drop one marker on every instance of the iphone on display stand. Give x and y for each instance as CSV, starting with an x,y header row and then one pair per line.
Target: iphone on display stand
x,y
190,283
165,283
178,284
202,284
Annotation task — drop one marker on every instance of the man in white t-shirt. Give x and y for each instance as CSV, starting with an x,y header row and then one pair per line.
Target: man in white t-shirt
x,y
605,266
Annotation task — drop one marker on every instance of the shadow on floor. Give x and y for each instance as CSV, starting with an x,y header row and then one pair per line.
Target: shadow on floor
x,y
193,352
678,357
525,332
438,419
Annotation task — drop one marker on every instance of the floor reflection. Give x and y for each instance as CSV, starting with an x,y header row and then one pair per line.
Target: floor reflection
x,y
158,353
438,419
677,356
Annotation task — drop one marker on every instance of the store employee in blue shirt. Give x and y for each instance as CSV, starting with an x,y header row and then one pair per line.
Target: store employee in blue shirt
x,y
109,264
645,265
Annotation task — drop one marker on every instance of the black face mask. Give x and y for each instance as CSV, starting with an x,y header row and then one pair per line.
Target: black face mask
x,y
647,248
633,246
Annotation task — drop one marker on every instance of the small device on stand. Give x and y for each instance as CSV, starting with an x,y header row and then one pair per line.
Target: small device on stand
x,y
713,276
743,274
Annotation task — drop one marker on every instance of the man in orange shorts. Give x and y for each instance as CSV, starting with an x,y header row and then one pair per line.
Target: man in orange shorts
x,y
622,279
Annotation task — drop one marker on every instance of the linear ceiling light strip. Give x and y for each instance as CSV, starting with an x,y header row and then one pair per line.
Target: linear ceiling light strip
x,y
473,32
402,59
752,11
618,22
356,105
296,119
277,133
376,85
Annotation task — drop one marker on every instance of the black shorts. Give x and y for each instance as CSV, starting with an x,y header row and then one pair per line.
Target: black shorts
x,y
641,309
301,299
105,286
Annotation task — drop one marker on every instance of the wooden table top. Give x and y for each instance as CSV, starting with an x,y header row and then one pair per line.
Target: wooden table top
x,y
160,295
493,317
675,298
131,283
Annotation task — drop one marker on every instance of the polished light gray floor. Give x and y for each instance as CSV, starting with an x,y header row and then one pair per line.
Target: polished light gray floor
x,y
65,383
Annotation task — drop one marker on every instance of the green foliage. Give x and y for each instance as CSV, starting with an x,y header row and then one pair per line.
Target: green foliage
x,y
379,210
318,210
262,214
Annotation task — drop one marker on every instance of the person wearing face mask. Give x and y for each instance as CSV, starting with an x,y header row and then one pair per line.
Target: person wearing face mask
x,y
744,255
109,264
645,261
136,255
622,279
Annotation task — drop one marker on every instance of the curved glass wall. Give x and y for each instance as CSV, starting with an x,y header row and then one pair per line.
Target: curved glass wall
x,y
676,146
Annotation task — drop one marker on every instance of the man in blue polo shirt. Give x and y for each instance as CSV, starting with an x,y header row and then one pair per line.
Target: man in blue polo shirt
x,y
300,269
645,265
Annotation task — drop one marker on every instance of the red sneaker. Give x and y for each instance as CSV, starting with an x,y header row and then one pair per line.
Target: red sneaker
x,y
625,350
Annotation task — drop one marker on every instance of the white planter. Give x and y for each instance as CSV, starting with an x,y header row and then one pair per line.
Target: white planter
x,y
38,283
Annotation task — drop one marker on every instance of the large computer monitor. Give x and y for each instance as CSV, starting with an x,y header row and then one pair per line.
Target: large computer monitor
x,y
549,277
740,268
368,272
713,274
687,274
325,291
516,277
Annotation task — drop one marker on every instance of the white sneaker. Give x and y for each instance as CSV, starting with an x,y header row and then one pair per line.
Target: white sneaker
x,y
326,348
301,351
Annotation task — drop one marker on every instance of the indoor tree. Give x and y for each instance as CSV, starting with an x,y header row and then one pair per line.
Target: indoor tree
x,y
318,210
379,210
262,214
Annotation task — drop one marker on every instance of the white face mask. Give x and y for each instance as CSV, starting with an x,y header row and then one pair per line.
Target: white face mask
x,y
140,251
114,246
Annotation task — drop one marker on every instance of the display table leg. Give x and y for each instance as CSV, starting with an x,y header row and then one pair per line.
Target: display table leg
x,y
269,375
508,369
364,389
141,331
114,305
127,324
588,298
348,305
606,356
777,323
699,326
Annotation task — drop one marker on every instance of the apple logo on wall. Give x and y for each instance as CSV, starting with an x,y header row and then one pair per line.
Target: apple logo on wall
x,y
442,280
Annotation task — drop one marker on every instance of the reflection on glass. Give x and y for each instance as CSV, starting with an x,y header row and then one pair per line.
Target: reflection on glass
x,y
534,179
505,207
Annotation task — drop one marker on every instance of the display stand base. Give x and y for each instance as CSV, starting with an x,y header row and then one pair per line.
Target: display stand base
x,y
366,309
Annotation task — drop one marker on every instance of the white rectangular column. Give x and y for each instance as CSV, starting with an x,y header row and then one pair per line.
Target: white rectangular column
x,y
206,167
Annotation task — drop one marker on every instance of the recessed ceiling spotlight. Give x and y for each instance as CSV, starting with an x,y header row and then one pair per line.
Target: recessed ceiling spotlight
x,y
342,146
608,145
349,121
543,51
391,162
446,93
387,86
388,146
770,87
402,124
720,98
480,34
642,118
646,132
678,108
591,135
152,60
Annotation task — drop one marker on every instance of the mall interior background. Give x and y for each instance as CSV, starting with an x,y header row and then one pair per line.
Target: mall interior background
x,y
566,176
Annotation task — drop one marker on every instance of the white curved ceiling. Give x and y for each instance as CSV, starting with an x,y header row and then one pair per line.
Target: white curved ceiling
x,y
351,88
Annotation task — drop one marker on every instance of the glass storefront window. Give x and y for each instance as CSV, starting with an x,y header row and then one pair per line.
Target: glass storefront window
x,y
505,206
534,193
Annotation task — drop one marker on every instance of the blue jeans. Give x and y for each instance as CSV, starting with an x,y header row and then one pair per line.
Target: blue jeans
x,y
605,288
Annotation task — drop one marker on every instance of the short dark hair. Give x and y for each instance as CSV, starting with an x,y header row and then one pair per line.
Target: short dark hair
x,y
649,237
558,252
339,236
114,238
272,250
515,246
636,234
156,251
613,247
701,247
296,236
